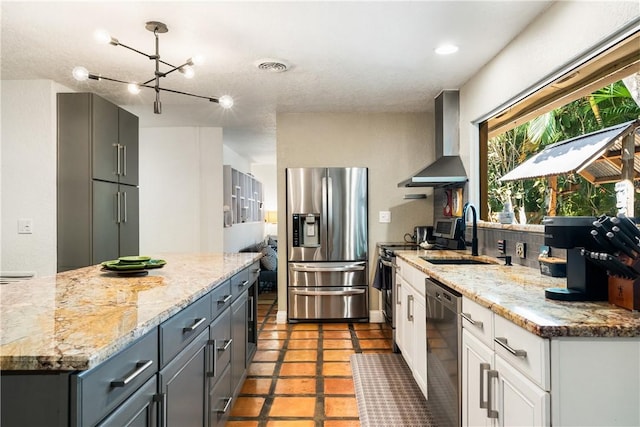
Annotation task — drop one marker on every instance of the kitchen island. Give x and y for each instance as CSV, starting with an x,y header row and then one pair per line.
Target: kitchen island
x,y
92,328
528,360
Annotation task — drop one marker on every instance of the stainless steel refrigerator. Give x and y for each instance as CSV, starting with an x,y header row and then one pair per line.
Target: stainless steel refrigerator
x,y
327,244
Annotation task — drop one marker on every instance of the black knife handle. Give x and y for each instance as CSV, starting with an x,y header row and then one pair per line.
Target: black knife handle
x,y
618,244
626,224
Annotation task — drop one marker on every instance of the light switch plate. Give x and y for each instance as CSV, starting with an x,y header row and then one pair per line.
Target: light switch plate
x,y
384,216
25,226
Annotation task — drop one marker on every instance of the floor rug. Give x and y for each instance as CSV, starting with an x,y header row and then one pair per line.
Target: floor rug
x,y
386,392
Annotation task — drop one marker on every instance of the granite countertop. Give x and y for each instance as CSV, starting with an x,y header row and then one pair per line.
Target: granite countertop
x,y
517,294
77,319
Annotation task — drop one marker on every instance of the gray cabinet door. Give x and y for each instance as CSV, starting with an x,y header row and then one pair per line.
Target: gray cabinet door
x,y
183,382
137,411
104,133
239,343
105,239
128,140
129,233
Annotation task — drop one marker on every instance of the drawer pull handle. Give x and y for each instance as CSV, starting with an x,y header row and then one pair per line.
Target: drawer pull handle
x,y
468,318
140,367
257,270
195,325
225,299
483,367
243,284
503,343
226,406
491,413
227,343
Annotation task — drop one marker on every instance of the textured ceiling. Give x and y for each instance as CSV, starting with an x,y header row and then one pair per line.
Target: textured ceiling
x,y
343,56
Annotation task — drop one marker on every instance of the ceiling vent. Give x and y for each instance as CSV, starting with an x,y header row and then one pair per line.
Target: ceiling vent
x,y
272,66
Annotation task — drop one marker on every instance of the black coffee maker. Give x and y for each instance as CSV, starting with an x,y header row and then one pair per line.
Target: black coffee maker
x,y
586,281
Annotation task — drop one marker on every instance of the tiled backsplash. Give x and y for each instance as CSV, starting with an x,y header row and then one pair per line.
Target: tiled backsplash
x,y
532,235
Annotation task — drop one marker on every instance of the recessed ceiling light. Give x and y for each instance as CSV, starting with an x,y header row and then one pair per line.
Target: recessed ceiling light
x,y
446,49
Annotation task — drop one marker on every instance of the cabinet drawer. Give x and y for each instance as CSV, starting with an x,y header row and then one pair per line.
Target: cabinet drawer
x,y
220,400
239,282
525,351
179,330
478,320
139,409
100,390
220,336
220,298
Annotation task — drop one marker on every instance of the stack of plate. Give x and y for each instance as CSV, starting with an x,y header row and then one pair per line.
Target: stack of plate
x,y
132,265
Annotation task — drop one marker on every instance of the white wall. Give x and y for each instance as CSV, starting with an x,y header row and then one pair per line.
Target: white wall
x,y
392,146
565,31
180,190
267,175
28,175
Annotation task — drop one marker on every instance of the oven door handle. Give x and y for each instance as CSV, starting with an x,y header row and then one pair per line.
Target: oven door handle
x,y
389,264
328,293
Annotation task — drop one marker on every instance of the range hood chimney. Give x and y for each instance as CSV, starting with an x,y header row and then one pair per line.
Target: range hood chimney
x,y
447,170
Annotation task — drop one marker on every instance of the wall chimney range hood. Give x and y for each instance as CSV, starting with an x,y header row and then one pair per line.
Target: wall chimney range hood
x,y
447,170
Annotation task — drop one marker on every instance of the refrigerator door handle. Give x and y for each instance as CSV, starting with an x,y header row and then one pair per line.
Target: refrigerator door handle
x,y
320,269
328,293
329,200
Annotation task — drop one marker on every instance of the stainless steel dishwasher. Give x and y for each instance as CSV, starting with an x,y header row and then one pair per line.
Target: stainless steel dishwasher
x,y
444,343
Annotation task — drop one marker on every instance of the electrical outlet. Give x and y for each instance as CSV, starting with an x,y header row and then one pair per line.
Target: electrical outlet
x,y
502,244
521,249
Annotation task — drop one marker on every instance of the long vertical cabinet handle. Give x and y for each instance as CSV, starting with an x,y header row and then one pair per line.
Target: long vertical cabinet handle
x,y
491,375
483,367
117,149
118,208
125,205
410,308
124,160
251,308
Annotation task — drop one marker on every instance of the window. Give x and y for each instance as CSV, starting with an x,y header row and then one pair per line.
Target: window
x,y
607,64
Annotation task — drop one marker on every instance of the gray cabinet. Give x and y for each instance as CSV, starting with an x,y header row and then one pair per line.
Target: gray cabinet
x,y
239,341
139,410
183,385
97,146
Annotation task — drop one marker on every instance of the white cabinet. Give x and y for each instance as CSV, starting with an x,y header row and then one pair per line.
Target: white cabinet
x,y
242,197
505,372
411,325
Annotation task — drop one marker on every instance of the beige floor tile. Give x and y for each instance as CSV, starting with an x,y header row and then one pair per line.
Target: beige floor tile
x,y
270,344
337,344
303,407
336,355
256,386
301,356
302,344
261,369
247,406
290,423
297,335
338,386
340,407
298,369
336,334
266,356
336,369
341,423
295,386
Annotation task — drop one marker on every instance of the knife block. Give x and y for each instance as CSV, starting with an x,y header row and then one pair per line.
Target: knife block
x,y
625,293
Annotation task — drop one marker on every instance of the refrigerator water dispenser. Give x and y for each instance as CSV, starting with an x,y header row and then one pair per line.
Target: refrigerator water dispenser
x,y
306,230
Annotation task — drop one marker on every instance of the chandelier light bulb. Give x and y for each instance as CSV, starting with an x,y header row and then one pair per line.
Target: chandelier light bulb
x,y
80,73
225,101
187,71
102,37
197,59
133,88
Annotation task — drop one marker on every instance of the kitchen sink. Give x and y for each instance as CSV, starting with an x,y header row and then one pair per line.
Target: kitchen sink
x,y
456,261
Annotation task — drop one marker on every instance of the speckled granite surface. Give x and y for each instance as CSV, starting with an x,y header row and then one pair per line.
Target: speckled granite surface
x,y
517,293
78,318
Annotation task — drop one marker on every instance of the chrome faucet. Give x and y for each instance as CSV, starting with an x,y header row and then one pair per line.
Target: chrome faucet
x,y
474,238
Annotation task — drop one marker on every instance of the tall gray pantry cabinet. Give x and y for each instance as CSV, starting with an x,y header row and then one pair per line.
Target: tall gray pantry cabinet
x,y
98,198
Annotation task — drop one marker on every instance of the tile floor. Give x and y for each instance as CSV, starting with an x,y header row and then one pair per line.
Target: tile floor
x,y
301,375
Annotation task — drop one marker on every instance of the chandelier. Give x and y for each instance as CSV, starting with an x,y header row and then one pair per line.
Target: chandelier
x,y
82,74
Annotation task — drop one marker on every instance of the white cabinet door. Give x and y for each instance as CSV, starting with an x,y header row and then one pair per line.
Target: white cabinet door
x,y
419,358
519,401
401,313
477,359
